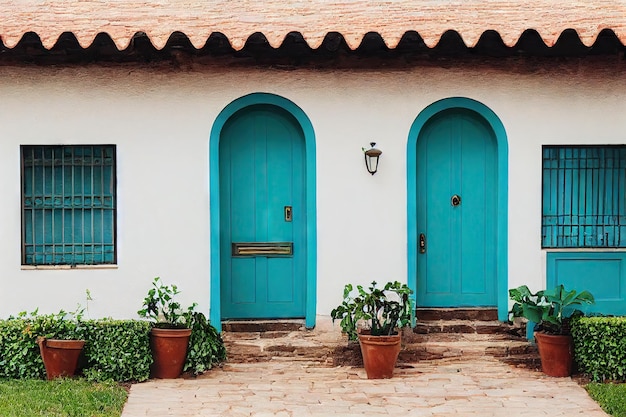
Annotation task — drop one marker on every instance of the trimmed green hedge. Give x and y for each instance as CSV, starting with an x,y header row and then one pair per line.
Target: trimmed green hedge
x,y
600,347
116,350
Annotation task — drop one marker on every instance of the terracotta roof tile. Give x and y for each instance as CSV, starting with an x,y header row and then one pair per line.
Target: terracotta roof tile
x,y
238,19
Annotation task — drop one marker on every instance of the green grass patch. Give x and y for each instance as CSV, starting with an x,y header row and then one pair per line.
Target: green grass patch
x,y
61,397
611,397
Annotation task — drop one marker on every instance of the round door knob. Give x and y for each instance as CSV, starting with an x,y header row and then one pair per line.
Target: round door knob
x,y
455,200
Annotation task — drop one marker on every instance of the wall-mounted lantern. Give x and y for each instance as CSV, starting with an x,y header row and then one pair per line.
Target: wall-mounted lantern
x,y
371,158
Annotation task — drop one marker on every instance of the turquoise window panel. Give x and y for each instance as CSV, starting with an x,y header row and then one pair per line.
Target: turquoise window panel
x,y
601,273
68,204
583,197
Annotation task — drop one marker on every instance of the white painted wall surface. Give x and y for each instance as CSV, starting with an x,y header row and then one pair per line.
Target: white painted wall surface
x,y
160,121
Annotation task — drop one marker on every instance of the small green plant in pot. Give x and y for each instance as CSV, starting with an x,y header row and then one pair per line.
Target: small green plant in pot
x,y
551,311
161,307
169,337
60,338
374,317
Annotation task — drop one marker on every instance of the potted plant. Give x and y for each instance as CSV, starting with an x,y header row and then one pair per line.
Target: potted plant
x,y
169,336
60,340
551,311
374,317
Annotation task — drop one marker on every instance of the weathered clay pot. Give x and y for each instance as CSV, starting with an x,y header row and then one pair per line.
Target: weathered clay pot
x,y
60,357
380,354
169,351
556,353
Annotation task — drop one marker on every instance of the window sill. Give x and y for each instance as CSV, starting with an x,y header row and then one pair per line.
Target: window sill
x,y
68,267
584,249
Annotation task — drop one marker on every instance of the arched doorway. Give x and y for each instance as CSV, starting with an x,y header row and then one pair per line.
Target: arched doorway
x,y
262,192
457,188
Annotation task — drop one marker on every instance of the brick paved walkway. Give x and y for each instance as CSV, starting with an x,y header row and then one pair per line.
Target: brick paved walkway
x,y
483,387
480,387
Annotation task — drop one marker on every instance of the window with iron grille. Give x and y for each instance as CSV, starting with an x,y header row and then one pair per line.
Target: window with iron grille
x,y
68,205
584,191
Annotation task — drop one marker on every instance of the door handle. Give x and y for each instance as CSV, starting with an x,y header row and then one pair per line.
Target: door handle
x,y
422,243
288,214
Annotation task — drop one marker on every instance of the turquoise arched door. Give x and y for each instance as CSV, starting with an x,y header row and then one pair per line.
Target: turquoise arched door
x,y
457,187
262,215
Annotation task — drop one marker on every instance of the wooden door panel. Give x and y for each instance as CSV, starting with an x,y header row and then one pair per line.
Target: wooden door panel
x,y
261,164
457,157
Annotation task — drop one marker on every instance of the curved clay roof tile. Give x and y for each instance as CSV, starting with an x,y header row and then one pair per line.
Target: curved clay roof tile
x,y
238,19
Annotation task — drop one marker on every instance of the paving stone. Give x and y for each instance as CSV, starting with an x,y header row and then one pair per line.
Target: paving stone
x,y
476,387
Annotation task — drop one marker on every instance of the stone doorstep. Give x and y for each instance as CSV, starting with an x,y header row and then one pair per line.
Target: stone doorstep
x,y
235,326
474,349
466,326
261,341
529,360
342,353
433,314
461,337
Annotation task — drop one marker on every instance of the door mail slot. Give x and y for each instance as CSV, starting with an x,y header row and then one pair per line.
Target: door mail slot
x,y
262,248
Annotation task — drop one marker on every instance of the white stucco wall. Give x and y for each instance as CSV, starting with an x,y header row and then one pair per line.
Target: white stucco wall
x,y
161,119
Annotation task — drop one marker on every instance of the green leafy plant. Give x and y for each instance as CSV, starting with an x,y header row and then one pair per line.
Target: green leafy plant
x,y
61,325
114,349
117,350
206,347
162,309
382,311
550,309
19,352
600,347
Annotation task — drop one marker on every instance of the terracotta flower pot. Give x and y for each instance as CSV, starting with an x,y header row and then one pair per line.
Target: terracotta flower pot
x,y
169,351
60,357
556,353
380,354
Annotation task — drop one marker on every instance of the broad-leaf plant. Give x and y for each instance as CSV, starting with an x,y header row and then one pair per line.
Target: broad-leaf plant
x,y
550,309
382,310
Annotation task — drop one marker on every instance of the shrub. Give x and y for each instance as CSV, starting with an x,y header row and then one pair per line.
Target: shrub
x,y
600,347
206,347
116,350
19,352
